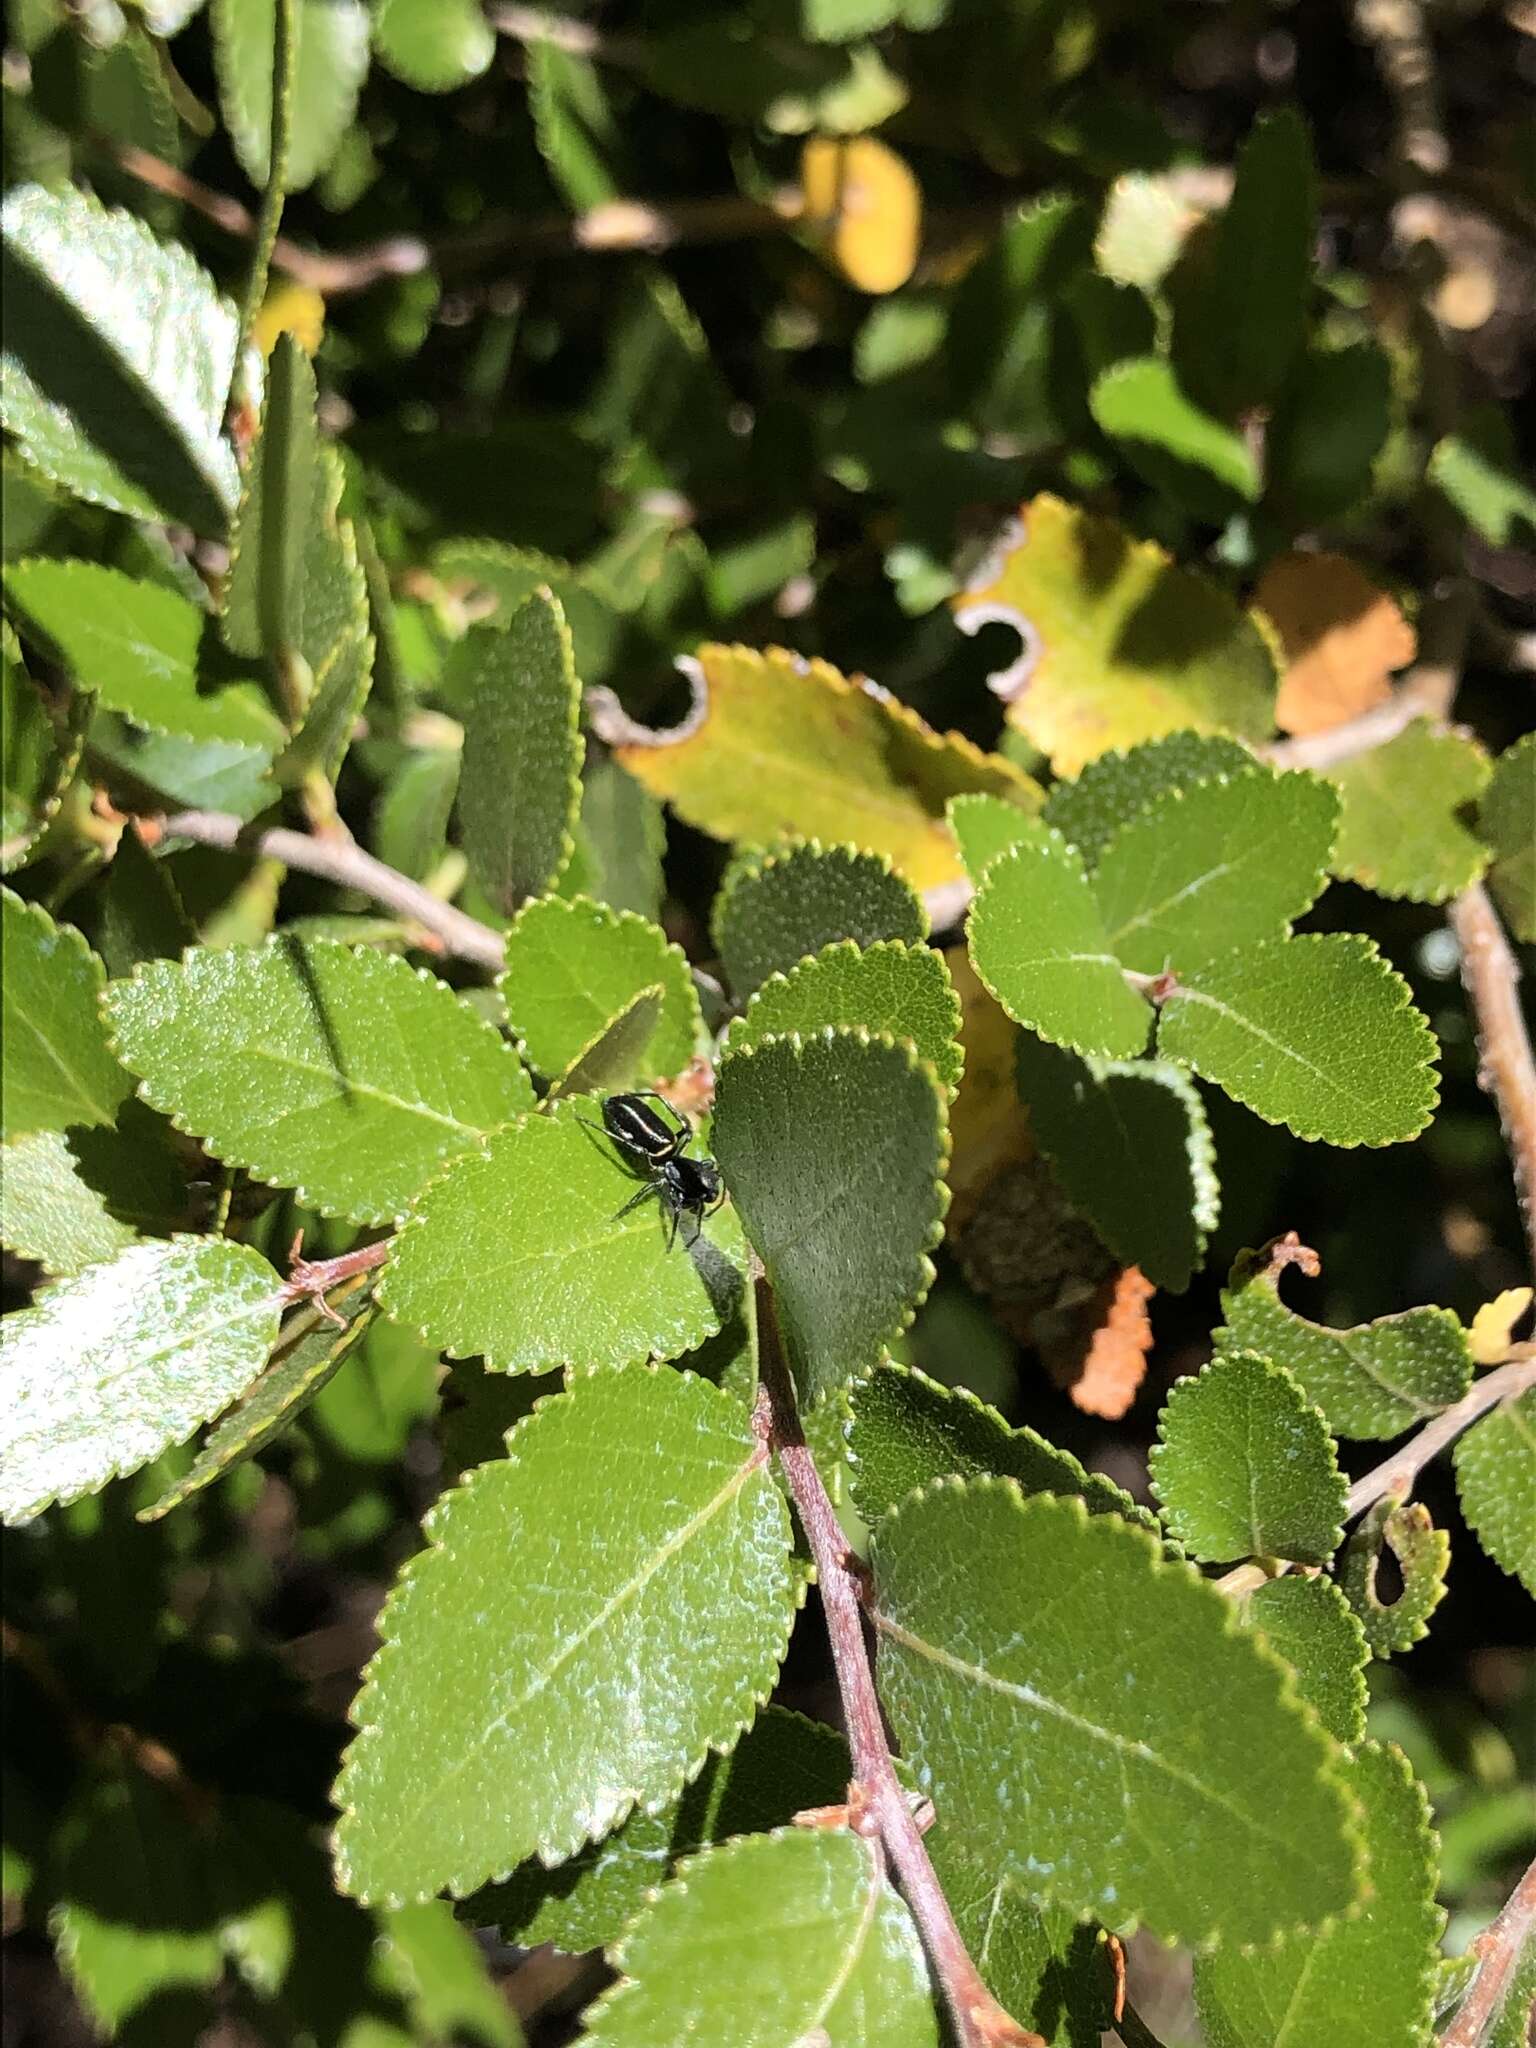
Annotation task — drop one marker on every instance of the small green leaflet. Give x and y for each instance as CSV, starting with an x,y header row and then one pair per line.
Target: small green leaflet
x,y
573,1641
330,62
777,908
890,987
1202,463
37,759
153,1342
344,1074
615,1058
1039,944
433,45
573,966
1507,820
1168,1780
821,1950
326,671
276,577
1401,832
1318,1033
1245,1468
70,1198
1114,789
985,826
519,787
1374,1380
1496,1479
1479,470
58,1070
520,1252
1423,1554
1309,1623
139,911
862,1122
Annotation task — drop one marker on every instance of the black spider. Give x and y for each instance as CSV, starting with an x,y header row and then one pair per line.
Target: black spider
x,y
683,1186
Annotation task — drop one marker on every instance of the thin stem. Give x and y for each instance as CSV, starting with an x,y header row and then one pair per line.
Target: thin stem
x,y
1397,1473
877,1798
344,862
1491,976
284,39
1498,1949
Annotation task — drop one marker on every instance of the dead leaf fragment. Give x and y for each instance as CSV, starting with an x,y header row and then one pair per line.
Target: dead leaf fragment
x,y
1342,638
1105,1378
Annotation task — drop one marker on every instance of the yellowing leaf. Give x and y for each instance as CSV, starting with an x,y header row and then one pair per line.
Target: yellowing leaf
x,y
1120,643
1341,635
289,308
1493,1327
776,746
866,208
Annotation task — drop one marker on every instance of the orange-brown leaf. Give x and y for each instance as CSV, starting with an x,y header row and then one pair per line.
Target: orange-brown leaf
x,y
1342,637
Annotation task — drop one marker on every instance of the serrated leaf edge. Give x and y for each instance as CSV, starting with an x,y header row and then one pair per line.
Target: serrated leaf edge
x,y
852,950
749,862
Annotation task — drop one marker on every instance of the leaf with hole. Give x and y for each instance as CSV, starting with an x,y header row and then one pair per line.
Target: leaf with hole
x,y
573,1641
1422,1554
547,1247
1245,1468
822,1949
900,990
861,1123
779,907
1169,1780
1309,1623
1400,827
58,1069
153,1342
572,967
346,1075
1496,1482
1318,1033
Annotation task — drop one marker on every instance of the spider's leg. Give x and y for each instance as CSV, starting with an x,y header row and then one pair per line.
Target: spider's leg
x,y
634,1201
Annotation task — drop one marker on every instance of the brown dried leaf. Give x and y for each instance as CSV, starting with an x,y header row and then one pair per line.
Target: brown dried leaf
x,y
1104,1378
1342,638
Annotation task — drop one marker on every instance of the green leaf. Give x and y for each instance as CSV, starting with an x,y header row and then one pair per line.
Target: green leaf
x,y
433,45
159,771
821,1949
573,966
410,820
139,911
1496,1479
1168,1780
1328,428
274,580
985,826
1172,442
561,1274
1117,788
1399,832
576,131
346,1075
330,62
1207,869
1479,470
1129,1142
1507,820
136,646
291,1381
616,1057
153,1342
573,1641
1423,1554
782,1766
37,759
623,835
1038,943
777,908
135,1918
907,1430
70,1198
1245,1468
438,1967
903,991
1144,225
1367,1979
860,1123
519,787
117,362
1238,329
1309,1623
1318,1033
368,1412
330,664
58,1069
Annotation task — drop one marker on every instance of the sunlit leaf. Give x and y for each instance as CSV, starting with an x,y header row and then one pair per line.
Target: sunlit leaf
x,y
1496,1480
1308,1622
70,1198
330,62
903,991
1422,1554
1341,635
864,204
573,966
1400,830
58,1068
433,45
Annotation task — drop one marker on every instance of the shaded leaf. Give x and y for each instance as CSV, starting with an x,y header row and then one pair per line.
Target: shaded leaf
x,y
1120,644
1496,1481
433,45
117,363
37,760
277,595
70,1198
1245,1468
1478,469
1342,639
902,991
334,644
1172,442
1207,869
1507,820
1309,1623
775,744
1367,1979
1374,1380
444,1976
330,62
410,821
1129,1142
136,646
58,1068
1038,942
907,1431
573,966
1114,789
861,1122
1423,1554
623,835
1318,1033
139,911
576,131
1329,425
527,1253
1399,831
1170,1781
782,1766
616,1056
156,1340
527,1695
777,908
162,771
344,1074
519,786
821,1949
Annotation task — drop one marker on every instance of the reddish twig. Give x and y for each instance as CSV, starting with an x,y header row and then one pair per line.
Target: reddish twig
x,y
1498,1950
1491,977
1397,1473
876,1798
